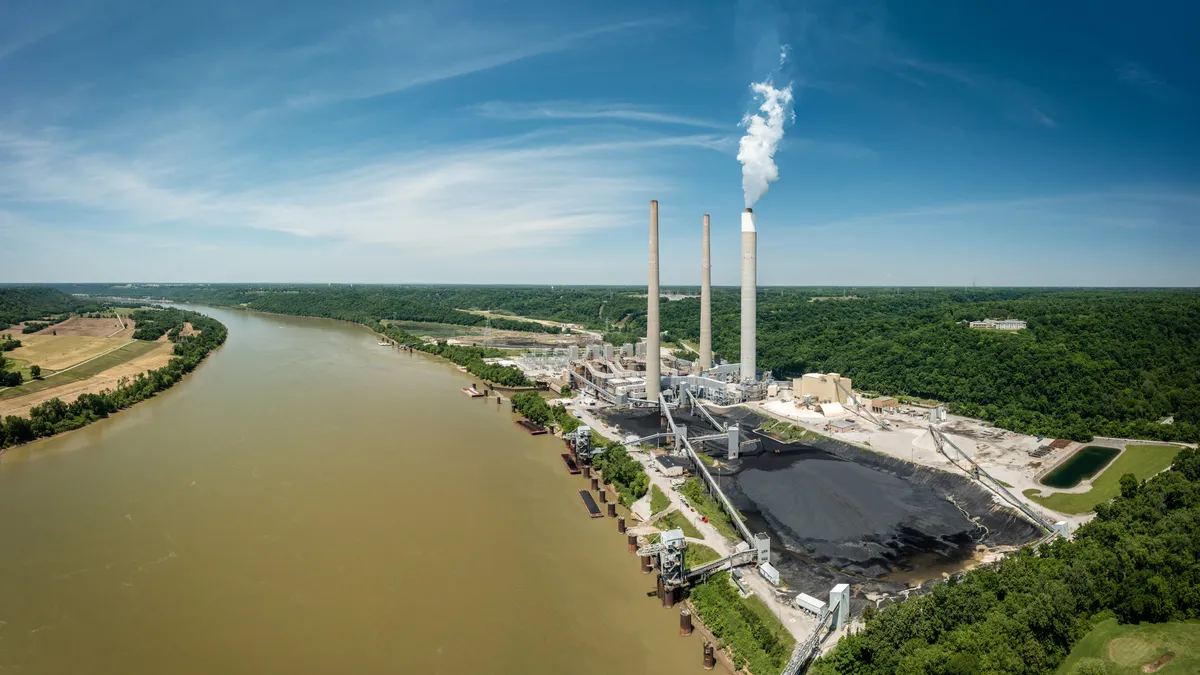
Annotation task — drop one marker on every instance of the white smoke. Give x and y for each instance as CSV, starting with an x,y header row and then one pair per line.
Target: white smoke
x,y
764,130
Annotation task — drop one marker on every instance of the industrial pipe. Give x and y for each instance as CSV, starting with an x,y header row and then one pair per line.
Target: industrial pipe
x,y
645,562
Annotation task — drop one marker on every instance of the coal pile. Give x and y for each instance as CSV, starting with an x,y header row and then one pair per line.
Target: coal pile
x,y
837,513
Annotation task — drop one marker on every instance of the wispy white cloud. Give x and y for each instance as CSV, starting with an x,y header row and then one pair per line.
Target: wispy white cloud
x,y
1124,209
400,52
486,196
581,110
1005,92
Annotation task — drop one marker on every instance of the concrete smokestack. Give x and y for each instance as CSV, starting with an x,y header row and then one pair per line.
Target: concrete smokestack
x,y
705,361
749,294
653,349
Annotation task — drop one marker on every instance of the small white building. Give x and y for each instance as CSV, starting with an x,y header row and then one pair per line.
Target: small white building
x,y
999,324
810,604
769,573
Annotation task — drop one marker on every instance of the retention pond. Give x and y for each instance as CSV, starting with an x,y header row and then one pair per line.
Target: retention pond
x,y
1085,463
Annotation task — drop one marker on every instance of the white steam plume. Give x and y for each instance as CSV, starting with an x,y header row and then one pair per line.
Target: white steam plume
x,y
764,130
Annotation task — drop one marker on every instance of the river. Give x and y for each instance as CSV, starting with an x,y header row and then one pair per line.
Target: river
x,y
310,502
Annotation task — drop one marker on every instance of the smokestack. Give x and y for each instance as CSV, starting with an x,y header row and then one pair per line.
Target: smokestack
x,y
705,301
653,350
749,293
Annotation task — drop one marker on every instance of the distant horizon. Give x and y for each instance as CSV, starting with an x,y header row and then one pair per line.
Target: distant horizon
x,y
665,286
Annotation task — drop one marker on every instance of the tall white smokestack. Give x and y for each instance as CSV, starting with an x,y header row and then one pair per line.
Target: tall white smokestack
x,y
749,293
705,361
653,350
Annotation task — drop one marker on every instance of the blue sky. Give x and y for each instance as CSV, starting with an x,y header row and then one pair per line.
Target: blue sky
x,y
934,143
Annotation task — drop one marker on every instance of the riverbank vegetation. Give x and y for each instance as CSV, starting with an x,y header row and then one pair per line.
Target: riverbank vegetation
x,y
706,506
753,636
676,520
1103,362
472,358
624,473
55,416
1137,561
536,409
658,500
1142,461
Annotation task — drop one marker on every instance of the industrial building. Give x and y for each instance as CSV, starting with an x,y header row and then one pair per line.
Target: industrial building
x,y
821,388
999,324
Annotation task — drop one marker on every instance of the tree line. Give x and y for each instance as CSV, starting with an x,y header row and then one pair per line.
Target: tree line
x,y
1138,560
535,408
24,303
1093,362
55,416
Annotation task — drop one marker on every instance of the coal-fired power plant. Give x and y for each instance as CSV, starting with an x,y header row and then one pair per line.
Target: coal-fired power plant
x,y
749,294
705,378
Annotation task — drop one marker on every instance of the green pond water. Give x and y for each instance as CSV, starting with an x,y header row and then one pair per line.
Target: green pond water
x,y
1084,464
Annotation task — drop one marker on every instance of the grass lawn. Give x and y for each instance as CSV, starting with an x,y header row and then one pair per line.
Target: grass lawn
x,y
675,519
785,432
698,554
696,495
56,352
1126,649
95,366
658,500
1142,461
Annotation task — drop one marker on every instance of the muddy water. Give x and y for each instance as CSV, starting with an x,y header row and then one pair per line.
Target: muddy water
x,y
309,502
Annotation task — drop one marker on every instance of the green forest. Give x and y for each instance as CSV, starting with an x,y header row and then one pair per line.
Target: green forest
x,y
1137,561
28,303
55,416
1093,362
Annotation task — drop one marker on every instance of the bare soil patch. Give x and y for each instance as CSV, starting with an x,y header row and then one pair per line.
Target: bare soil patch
x,y
108,379
80,326
188,330
1162,661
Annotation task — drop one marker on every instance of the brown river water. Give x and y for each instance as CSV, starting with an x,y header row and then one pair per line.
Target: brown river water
x,y
310,502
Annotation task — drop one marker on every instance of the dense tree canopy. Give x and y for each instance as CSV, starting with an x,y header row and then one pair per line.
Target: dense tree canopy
x,y
21,303
1111,362
1138,560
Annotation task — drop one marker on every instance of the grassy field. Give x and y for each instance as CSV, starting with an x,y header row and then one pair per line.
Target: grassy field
x,y
698,554
435,330
1142,461
675,519
98,365
696,495
658,499
56,352
1136,649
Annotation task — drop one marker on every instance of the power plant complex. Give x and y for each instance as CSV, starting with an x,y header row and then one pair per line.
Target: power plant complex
x,y
632,375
